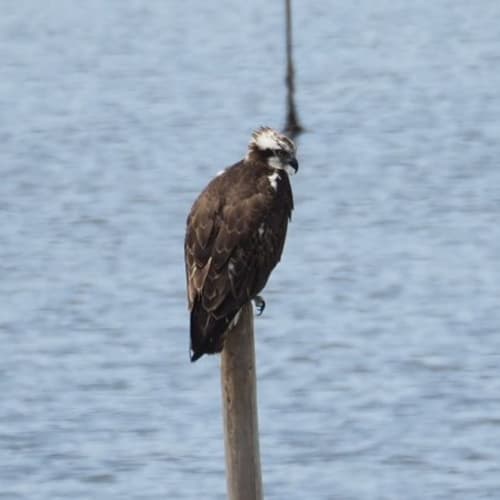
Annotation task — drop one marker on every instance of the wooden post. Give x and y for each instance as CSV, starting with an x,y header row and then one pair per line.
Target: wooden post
x,y
292,126
239,393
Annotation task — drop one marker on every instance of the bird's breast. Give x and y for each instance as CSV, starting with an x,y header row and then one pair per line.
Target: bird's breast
x,y
274,179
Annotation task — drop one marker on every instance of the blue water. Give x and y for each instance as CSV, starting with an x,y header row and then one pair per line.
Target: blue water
x,y
379,350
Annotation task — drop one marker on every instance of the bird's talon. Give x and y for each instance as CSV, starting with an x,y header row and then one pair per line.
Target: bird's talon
x,y
260,304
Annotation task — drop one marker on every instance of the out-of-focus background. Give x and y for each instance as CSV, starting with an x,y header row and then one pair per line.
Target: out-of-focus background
x,y
379,350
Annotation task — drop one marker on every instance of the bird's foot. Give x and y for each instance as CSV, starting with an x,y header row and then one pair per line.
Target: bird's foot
x,y
260,304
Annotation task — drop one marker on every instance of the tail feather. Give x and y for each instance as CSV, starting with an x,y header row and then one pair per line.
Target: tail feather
x,y
207,332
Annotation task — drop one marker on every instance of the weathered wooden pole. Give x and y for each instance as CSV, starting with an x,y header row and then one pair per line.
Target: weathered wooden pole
x,y
241,428
292,125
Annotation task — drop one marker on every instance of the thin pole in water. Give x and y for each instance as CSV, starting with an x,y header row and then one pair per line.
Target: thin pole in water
x,y
239,393
292,126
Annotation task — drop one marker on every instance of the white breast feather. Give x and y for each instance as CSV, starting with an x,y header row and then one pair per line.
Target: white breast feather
x,y
273,180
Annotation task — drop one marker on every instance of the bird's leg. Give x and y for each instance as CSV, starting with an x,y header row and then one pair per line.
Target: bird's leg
x,y
260,304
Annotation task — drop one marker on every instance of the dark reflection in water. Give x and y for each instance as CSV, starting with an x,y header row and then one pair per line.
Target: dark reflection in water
x,y
379,349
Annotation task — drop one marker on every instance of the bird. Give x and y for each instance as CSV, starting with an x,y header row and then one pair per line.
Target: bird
x,y
235,234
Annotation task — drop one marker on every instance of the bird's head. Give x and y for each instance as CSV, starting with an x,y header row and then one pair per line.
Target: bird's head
x,y
273,148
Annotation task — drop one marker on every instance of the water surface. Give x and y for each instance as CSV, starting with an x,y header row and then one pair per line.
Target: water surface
x,y
379,349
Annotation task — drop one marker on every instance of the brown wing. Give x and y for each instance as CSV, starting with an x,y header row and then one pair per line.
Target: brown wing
x,y
218,248
202,227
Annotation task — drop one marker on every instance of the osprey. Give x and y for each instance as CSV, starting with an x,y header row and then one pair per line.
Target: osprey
x,y
235,235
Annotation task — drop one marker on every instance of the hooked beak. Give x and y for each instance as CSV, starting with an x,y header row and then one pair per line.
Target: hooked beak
x,y
294,164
